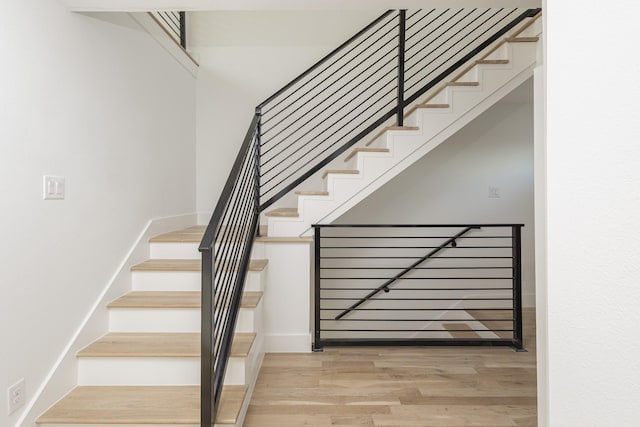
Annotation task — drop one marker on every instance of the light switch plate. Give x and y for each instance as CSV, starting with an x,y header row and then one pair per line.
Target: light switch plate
x,y
15,396
54,187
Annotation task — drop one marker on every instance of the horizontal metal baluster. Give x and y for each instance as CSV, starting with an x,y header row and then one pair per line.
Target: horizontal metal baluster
x,y
309,151
344,74
269,111
317,125
420,19
365,80
447,39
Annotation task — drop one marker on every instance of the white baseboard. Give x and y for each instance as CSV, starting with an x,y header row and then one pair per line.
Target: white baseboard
x,y
287,343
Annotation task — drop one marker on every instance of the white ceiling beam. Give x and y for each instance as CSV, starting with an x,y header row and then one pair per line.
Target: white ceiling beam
x,y
210,5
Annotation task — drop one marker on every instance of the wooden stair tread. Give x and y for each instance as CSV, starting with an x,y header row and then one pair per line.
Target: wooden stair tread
x,y
174,299
463,84
284,239
312,193
283,212
191,234
433,106
188,235
340,171
365,150
460,330
142,344
140,405
492,61
522,39
394,127
187,265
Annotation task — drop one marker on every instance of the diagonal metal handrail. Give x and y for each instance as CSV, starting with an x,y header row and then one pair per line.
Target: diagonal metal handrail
x,y
385,286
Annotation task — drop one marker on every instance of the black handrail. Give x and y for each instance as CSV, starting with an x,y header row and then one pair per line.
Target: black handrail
x,y
226,251
385,285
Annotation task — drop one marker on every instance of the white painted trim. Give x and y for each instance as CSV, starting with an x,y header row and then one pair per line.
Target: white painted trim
x,y
62,376
287,343
159,34
145,5
540,217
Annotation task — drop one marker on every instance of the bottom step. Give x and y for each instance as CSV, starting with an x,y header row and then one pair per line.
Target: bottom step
x,y
165,405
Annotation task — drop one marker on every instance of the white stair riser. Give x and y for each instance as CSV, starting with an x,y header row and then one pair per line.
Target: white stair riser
x,y
183,281
166,281
170,320
154,320
138,370
174,251
150,371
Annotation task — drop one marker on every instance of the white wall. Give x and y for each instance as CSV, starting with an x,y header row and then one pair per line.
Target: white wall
x,y
451,184
593,206
244,58
98,101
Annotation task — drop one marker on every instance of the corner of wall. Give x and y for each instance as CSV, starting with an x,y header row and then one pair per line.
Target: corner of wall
x,y
62,375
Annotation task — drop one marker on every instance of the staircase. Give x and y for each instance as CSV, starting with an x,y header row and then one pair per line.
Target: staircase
x,y
146,370
444,110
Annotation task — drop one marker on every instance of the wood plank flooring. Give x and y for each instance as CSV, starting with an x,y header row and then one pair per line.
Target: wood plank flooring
x,y
395,386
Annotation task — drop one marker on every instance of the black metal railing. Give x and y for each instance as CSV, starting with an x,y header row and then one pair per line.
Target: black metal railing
x,y
174,23
226,251
364,83
361,85
418,285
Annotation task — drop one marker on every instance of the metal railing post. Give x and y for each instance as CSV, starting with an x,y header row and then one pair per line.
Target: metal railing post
x,y
257,164
516,244
316,295
183,29
207,340
401,40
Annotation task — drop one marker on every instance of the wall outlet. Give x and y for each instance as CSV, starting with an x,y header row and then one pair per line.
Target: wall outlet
x,y
53,187
494,192
15,396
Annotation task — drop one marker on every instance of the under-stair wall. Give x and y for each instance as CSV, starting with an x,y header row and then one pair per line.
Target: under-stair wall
x,y
494,151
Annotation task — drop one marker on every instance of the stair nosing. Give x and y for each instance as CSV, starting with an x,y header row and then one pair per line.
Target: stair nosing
x,y
188,265
365,150
283,213
118,304
190,338
340,172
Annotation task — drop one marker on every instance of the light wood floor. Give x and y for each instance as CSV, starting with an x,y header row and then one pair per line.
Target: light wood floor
x,y
384,386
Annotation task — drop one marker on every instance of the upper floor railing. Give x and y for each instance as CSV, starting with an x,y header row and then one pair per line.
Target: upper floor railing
x,y
174,23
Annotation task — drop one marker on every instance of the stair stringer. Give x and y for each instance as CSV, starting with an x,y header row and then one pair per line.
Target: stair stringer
x,y
407,147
